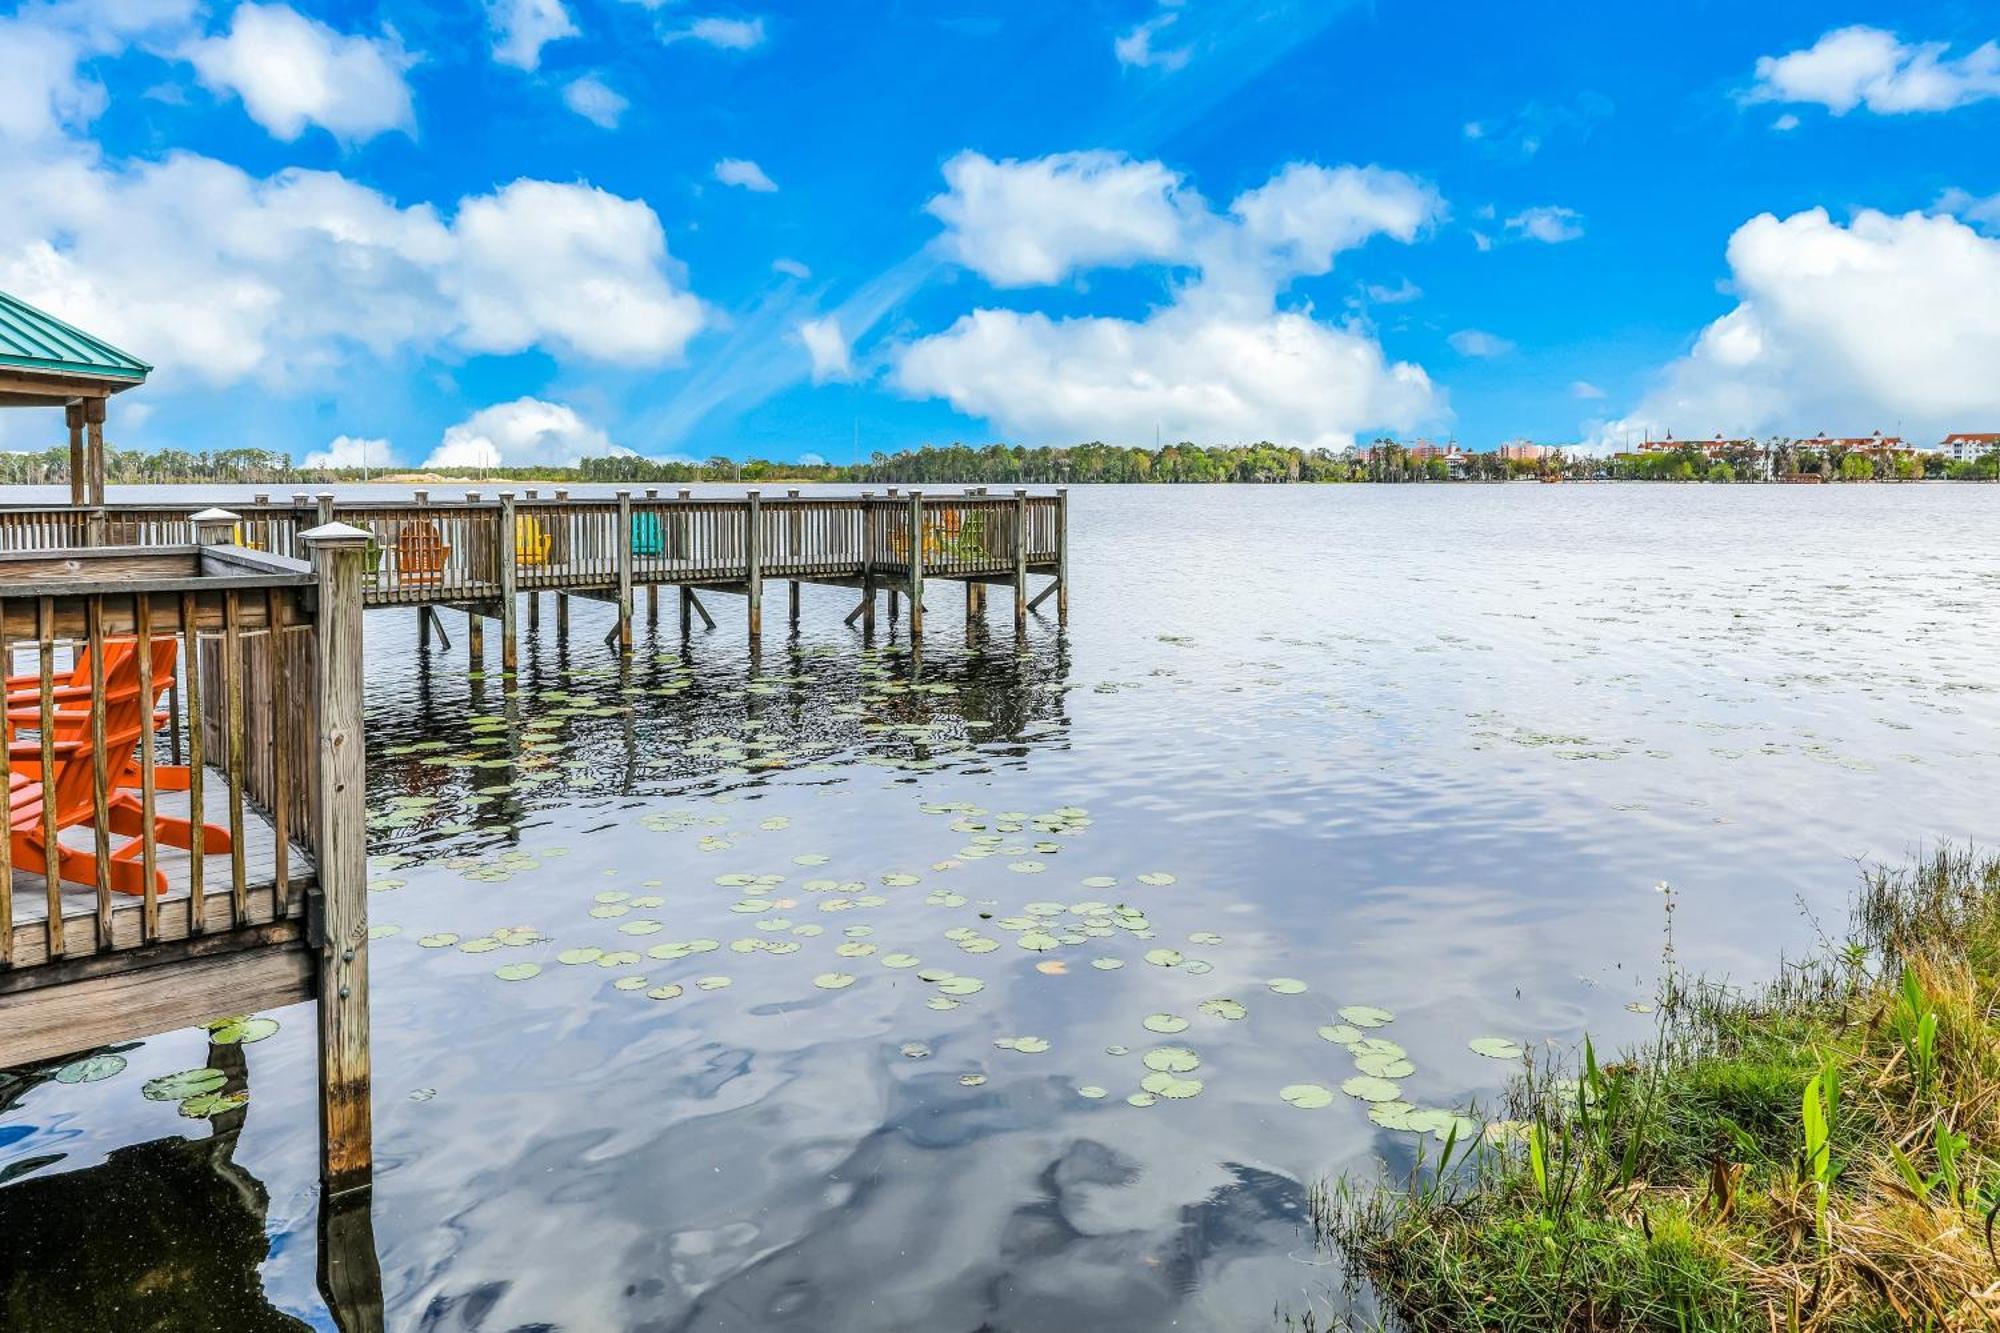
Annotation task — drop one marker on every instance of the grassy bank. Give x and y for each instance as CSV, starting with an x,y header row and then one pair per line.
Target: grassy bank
x,y
1821,1154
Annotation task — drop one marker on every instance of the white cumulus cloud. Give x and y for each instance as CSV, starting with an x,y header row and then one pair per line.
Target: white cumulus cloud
x,y
598,281
292,71
1551,224
1882,320
1307,213
1197,376
1222,361
524,433
744,173
44,89
832,358
349,451
217,275
1022,223
1871,67
594,100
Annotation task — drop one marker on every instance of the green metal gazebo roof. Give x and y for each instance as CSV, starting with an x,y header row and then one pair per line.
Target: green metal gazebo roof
x,y
35,340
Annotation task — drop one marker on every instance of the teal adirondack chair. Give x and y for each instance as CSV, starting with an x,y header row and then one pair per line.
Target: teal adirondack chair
x,y
646,535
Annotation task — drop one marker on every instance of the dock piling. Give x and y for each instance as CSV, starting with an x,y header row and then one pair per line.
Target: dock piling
x,y
509,571
346,1116
624,547
916,575
753,574
1020,562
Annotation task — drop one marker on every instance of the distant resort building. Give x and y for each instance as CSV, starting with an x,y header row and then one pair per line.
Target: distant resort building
x,y
1876,444
1715,448
1968,447
1521,451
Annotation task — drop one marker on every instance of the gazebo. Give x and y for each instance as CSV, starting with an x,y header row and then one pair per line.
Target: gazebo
x,y
47,363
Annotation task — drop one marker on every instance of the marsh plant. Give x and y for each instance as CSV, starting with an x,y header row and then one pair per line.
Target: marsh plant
x,y
1819,1153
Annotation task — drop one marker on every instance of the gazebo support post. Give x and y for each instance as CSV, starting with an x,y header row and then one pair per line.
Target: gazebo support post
x,y
73,417
93,417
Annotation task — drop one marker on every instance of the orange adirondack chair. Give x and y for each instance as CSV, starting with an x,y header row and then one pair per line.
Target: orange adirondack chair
x,y
421,553
24,703
128,722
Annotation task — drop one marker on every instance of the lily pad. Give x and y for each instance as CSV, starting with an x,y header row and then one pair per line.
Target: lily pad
x,y
1092,1091
518,971
833,980
1164,957
1377,1064
183,1085
1371,1089
666,992
1156,878
1171,1059
1391,1115
1107,964
1306,1096
1340,1034
92,1068
241,1031
208,1104
1223,1008
1287,985
1165,1024
1366,1016
1497,1048
1171,1086
576,957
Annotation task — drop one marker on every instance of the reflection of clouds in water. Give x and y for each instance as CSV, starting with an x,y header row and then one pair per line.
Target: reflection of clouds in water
x,y
1439,781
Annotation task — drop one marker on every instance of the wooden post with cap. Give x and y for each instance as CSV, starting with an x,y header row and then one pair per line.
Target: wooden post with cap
x,y
509,646
1020,562
753,570
340,923
624,547
916,574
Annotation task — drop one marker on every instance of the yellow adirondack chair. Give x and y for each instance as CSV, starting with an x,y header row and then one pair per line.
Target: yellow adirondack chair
x,y
531,541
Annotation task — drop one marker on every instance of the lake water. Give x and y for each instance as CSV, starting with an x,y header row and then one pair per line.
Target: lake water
x,y
1423,748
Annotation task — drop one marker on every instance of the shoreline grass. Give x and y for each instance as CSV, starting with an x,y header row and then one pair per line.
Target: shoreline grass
x,y
1821,1153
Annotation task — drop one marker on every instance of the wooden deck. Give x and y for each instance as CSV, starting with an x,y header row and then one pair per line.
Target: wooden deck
x,y
482,552
263,894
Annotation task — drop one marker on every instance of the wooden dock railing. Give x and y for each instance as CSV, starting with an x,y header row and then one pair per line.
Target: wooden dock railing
x,y
183,723
480,553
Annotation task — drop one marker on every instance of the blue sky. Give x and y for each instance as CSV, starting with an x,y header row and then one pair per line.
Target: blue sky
x,y
534,229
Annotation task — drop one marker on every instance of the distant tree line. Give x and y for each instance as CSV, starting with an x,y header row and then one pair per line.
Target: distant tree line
x,y
1383,460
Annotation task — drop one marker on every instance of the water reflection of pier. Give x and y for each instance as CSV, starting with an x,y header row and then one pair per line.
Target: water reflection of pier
x,y
86,1250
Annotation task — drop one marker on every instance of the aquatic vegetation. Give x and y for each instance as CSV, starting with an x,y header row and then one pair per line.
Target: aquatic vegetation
x,y
1811,1154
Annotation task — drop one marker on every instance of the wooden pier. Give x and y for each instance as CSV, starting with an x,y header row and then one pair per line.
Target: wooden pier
x,y
184,729
162,681
490,555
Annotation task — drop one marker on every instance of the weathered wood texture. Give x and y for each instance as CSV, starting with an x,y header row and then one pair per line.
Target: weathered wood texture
x,y
46,1023
346,1117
